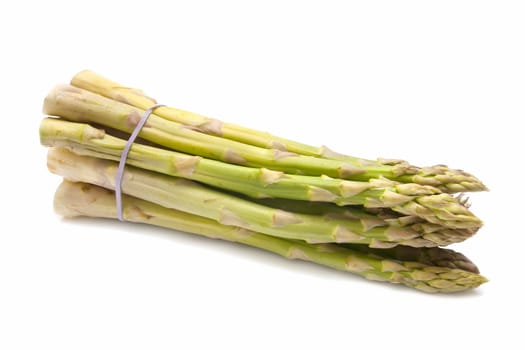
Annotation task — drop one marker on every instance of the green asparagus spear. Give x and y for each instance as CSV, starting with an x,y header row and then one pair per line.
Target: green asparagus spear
x,y
440,235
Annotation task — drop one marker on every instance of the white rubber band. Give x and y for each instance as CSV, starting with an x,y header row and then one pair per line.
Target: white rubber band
x,y
124,157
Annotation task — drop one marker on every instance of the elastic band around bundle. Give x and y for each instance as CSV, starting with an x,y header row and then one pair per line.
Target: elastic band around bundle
x,y
124,157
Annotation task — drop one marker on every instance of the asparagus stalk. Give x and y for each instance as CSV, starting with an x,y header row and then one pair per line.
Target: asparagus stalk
x,y
188,196
440,235
448,180
376,193
80,199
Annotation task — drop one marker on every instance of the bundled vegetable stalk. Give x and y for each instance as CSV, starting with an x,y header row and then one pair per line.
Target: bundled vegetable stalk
x,y
383,219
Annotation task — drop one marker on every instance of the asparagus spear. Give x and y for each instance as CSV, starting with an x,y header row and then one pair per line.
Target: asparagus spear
x,y
440,235
448,180
405,198
80,199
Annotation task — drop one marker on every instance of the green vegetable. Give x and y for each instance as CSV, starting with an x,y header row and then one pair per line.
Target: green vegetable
x,y
448,180
382,219
409,199
80,199
188,196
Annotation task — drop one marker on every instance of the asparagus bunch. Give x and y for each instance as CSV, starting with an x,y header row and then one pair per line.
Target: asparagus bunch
x,y
230,209
236,180
409,199
440,176
429,270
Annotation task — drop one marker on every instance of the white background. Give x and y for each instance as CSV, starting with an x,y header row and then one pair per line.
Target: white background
x,y
427,81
